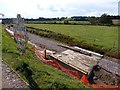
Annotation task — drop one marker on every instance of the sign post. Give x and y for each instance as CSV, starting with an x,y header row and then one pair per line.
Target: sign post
x,y
20,34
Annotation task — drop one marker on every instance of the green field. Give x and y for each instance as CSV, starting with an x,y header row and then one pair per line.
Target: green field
x,y
104,36
44,75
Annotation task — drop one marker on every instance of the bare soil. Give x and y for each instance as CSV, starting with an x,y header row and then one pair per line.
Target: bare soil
x,y
106,78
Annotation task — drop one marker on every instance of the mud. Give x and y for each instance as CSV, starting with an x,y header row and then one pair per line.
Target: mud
x,y
104,77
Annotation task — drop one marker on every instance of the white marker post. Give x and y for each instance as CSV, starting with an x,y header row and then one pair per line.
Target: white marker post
x,y
20,34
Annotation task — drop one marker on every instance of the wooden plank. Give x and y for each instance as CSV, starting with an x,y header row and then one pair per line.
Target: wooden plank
x,y
70,65
80,62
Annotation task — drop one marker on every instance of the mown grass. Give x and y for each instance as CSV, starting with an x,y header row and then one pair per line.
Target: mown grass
x,y
103,36
44,75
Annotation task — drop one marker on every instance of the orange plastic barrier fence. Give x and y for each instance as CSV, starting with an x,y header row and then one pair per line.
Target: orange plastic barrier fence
x,y
105,87
84,80
55,64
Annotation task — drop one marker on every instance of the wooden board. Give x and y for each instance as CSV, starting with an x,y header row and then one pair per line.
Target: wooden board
x,y
81,62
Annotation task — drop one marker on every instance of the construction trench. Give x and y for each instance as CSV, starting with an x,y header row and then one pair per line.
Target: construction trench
x,y
89,67
96,75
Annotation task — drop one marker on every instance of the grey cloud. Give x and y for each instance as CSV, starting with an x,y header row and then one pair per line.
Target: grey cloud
x,y
39,7
52,8
62,9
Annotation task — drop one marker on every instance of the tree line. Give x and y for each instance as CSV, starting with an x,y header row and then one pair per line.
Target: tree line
x,y
104,19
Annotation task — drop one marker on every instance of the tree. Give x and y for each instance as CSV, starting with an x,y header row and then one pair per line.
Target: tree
x,y
105,19
66,21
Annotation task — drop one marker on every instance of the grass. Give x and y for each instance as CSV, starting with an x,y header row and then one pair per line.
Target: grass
x,y
105,36
44,76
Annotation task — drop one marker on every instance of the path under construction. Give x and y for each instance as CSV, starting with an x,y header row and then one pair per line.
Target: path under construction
x,y
106,74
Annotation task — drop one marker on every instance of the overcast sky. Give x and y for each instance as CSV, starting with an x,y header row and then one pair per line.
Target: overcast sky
x,y
58,8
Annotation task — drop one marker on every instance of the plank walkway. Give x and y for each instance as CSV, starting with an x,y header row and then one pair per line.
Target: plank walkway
x,y
81,62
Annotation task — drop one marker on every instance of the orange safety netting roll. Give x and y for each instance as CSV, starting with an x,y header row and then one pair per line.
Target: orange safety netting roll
x,y
84,80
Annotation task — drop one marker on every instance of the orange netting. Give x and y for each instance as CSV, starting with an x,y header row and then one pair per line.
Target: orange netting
x,y
84,80
41,55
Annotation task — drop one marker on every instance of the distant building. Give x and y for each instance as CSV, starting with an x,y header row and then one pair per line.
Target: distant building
x,y
116,21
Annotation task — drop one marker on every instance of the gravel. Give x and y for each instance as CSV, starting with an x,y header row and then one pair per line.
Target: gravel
x,y
45,43
10,79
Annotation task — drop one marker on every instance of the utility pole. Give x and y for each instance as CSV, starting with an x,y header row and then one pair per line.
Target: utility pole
x,y
2,15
